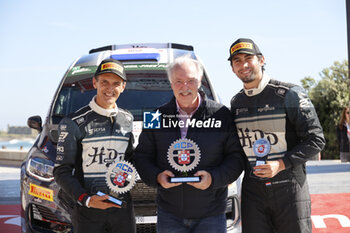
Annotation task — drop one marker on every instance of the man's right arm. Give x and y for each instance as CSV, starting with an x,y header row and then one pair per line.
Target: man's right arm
x,y
67,149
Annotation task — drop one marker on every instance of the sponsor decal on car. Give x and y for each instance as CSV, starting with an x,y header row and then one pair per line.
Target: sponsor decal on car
x,y
41,192
80,70
158,66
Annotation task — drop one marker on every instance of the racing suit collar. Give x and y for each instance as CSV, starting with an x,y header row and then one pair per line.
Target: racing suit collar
x,y
102,111
255,91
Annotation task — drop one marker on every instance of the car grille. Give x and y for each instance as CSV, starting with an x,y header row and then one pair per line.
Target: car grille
x,y
146,228
142,192
144,199
42,217
43,213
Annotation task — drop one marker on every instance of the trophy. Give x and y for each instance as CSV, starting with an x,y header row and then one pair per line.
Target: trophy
x,y
120,178
184,155
261,149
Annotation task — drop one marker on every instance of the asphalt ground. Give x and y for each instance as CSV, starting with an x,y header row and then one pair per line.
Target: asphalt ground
x,y
329,184
325,176
328,176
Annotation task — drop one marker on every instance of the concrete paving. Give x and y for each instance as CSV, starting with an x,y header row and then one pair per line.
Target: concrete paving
x,y
328,176
10,185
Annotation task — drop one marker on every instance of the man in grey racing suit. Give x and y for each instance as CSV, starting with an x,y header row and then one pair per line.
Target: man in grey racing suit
x,y
89,141
279,131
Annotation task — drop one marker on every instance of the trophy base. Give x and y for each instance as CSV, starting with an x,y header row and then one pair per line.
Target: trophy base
x,y
260,162
113,200
185,179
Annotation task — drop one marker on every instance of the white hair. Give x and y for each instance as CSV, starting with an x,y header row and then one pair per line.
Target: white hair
x,y
185,59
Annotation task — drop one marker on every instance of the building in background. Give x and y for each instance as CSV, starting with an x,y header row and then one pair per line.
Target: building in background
x,y
19,130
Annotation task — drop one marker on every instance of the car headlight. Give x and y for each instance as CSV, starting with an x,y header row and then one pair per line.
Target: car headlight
x,y
40,168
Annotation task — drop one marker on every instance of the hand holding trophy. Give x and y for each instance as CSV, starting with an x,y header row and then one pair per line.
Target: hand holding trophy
x,y
184,156
261,148
120,178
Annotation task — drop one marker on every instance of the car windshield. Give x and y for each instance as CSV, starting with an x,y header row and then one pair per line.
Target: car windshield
x,y
144,91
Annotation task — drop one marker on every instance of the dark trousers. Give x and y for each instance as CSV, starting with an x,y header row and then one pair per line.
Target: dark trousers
x,y
169,223
112,220
278,207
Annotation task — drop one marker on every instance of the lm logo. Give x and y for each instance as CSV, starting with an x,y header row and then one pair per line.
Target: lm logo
x,y
151,120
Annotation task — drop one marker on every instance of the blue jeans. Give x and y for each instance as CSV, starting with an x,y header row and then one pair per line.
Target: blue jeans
x,y
169,223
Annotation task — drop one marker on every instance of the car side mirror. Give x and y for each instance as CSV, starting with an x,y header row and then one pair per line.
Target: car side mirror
x,y
35,122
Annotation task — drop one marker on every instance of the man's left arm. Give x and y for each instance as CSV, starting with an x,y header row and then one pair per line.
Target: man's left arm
x,y
302,114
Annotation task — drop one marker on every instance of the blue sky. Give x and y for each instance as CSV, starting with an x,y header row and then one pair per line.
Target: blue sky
x,y
40,39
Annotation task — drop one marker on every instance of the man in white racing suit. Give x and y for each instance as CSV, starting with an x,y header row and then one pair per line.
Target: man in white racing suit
x,y
90,140
279,131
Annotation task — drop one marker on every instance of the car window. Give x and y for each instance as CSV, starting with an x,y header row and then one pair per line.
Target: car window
x,y
145,91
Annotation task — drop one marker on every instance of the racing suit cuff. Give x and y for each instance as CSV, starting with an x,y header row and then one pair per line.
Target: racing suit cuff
x,y
82,199
87,202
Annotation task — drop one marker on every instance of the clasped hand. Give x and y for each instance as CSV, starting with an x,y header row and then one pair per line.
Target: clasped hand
x,y
163,180
270,169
